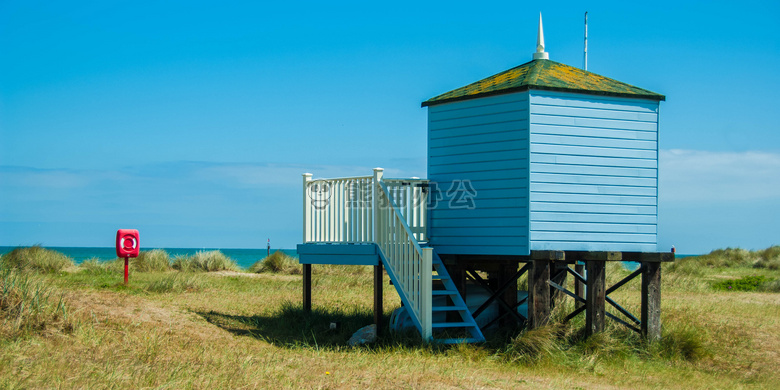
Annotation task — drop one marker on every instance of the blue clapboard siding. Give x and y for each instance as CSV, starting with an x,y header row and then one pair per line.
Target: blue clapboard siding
x,y
593,172
484,141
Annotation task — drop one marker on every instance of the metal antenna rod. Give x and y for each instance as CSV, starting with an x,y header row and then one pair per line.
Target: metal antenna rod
x,y
586,41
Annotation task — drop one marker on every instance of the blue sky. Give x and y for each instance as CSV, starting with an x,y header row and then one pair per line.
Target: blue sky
x,y
193,121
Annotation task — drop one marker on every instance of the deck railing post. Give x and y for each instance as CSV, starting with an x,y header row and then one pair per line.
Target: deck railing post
x,y
426,295
378,173
306,209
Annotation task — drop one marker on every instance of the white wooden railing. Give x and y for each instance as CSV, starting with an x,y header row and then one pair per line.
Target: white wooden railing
x,y
410,264
389,212
337,210
341,209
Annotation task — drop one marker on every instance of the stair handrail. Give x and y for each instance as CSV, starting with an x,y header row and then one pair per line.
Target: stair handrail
x,y
407,263
411,198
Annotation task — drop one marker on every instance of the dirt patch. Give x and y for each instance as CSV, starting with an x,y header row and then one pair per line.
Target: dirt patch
x,y
106,308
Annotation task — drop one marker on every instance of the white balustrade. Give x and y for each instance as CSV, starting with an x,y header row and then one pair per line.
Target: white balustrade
x,y
337,210
389,212
341,209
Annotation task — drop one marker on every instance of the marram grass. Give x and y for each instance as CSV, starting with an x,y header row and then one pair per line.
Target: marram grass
x,y
250,331
728,258
277,262
37,258
28,305
155,260
204,261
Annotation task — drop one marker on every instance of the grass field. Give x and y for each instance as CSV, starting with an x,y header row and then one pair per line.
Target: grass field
x,y
79,327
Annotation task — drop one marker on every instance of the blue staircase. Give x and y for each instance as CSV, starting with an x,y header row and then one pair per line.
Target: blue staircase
x,y
454,303
449,329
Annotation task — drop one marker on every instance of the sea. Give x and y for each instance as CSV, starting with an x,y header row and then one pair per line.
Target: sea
x,y
243,257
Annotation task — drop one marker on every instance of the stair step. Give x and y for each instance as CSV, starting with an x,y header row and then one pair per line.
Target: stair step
x,y
448,308
452,325
439,277
459,341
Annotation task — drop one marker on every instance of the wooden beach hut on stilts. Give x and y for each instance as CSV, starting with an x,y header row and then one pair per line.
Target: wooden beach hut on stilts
x,y
543,170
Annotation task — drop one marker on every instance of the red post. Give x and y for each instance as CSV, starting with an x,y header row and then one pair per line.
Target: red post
x,y
127,246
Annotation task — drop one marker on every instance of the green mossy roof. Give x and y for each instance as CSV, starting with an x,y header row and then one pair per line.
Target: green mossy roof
x,y
544,75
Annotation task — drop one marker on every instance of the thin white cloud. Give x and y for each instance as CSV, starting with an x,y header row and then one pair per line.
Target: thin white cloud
x,y
252,176
41,178
694,175
24,179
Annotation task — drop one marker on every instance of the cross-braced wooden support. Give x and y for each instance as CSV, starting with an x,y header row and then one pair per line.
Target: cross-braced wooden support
x,y
596,295
502,294
547,272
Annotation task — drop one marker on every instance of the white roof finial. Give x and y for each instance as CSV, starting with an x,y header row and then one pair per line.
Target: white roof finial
x,y
540,53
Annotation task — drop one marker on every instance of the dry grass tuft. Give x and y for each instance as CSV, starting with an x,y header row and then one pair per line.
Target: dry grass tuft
x,y
772,286
683,342
531,346
176,283
28,305
277,262
204,261
97,266
155,260
727,258
769,258
37,258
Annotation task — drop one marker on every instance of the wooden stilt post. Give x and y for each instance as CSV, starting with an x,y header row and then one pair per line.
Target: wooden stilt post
x,y
596,296
539,293
307,288
378,307
651,300
579,287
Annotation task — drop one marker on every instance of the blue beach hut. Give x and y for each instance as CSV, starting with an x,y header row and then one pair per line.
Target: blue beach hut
x,y
553,157
532,170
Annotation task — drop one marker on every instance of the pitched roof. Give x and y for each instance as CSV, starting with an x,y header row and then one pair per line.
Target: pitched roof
x,y
544,75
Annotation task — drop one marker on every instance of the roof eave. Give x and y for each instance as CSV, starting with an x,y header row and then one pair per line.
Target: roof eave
x,y
653,96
